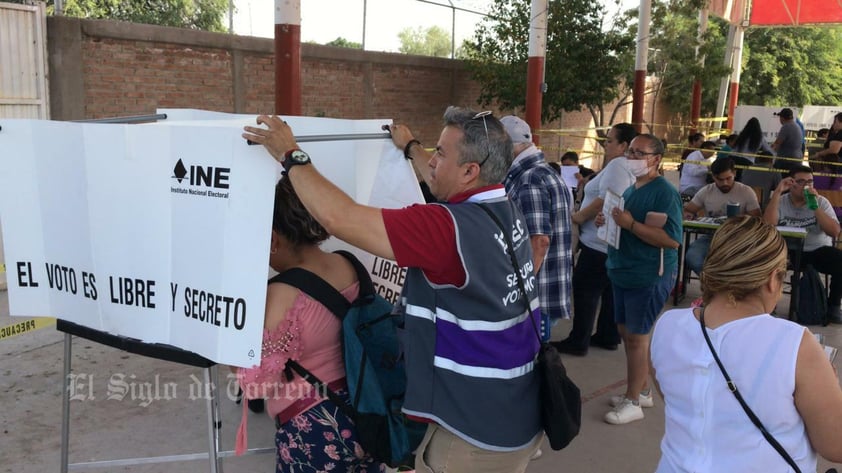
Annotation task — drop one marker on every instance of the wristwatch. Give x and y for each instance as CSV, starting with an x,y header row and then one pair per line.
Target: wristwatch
x,y
294,157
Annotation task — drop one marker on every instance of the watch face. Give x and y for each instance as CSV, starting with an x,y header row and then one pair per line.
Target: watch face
x,y
299,156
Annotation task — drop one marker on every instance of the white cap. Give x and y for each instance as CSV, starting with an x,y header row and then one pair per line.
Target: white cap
x,y
517,129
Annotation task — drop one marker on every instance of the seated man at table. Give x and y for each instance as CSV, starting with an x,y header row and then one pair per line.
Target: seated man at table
x,y
714,199
822,227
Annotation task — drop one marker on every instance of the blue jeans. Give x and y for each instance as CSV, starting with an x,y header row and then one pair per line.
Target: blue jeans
x,y
637,308
590,284
696,253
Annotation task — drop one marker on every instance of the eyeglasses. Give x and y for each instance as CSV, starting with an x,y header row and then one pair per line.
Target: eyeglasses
x,y
487,140
801,182
638,154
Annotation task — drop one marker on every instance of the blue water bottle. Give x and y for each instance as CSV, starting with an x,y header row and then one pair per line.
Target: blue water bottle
x,y
812,203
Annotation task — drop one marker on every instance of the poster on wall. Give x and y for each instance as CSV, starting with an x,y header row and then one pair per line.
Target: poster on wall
x,y
160,232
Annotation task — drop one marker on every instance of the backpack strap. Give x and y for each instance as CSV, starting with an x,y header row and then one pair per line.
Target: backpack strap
x,y
317,288
367,293
322,292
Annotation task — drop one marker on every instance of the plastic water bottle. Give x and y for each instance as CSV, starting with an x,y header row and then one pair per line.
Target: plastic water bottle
x,y
546,328
812,203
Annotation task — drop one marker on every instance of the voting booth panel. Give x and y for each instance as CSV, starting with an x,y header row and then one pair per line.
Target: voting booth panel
x,y
161,232
154,239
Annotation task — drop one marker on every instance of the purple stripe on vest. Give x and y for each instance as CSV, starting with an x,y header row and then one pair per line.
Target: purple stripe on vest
x,y
503,349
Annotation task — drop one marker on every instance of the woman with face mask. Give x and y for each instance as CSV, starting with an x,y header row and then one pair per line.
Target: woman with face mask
x,y
643,269
590,281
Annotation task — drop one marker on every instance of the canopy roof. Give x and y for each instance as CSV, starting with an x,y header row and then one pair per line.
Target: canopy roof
x,y
779,12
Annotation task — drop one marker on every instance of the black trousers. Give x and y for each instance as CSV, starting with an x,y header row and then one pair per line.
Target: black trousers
x,y
590,284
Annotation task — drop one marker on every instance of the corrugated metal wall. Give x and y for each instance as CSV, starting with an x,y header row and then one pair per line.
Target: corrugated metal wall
x,y
23,64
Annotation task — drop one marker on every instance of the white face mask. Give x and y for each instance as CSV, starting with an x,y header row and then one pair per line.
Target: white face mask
x,y
638,167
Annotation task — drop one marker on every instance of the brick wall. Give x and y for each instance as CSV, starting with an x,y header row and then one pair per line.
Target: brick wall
x,y
103,69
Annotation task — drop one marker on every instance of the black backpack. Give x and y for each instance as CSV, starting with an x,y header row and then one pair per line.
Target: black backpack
x,y
812,298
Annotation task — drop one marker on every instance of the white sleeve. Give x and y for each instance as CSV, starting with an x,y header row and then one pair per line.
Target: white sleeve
x,y
614,177
824,206
691,167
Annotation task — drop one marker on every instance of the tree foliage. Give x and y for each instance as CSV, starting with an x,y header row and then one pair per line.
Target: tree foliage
x,y
584,67
206,15
792,66
433,41
781,66
673,60
341,42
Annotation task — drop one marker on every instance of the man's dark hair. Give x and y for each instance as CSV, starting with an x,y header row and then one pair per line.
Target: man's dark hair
x,y
571,155
484,141
799,168
695,137
722,165
708,145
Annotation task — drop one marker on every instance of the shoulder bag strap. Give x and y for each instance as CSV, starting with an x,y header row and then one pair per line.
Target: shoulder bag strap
x,y
510,249
733,388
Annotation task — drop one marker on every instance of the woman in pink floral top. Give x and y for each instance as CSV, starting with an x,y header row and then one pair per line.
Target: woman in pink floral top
x,y
313,434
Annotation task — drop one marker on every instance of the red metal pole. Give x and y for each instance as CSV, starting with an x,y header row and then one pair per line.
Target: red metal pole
x,y
535,66
288,57
534,95
639,90
638,97
696,103
696,106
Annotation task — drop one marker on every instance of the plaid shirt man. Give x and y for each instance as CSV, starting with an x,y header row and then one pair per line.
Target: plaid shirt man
x,y
546,203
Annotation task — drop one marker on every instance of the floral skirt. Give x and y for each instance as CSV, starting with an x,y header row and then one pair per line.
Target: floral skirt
x,y
322,438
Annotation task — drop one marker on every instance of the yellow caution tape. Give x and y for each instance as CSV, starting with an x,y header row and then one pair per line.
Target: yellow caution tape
x,y
26,326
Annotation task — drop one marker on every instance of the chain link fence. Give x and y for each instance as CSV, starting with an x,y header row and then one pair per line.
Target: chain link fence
x,y
372,25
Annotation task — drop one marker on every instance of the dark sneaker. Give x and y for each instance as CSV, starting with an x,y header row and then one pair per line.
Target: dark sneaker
x,y
595,342
256,405
834,314
568,348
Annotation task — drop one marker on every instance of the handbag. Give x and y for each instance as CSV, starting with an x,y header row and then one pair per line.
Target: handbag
x,y
733,388
560,399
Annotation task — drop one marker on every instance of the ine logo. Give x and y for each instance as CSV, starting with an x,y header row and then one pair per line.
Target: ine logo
x,y
201,176
205,176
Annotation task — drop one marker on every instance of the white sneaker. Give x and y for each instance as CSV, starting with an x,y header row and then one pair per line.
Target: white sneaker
x,y
624,413
645,400
536,455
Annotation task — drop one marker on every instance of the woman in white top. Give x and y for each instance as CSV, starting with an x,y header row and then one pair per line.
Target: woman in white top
x,y
695,170
590,279
778,366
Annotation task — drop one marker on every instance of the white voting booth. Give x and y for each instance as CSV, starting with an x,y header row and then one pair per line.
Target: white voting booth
x,y
154,238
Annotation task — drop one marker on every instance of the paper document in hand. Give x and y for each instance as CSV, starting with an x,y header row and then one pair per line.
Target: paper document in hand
x,y
610,232
568,175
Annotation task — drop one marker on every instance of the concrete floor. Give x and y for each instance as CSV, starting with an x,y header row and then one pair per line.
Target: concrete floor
x,y
145,423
